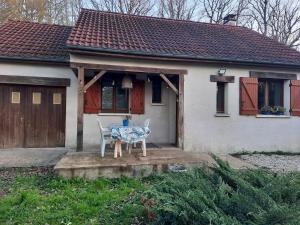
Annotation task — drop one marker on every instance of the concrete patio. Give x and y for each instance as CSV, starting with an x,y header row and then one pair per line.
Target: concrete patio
x,y
31,157
91,166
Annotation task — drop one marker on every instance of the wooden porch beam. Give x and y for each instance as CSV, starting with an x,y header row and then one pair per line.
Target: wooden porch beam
x,y
42,81
169,83
223,79
180,114
92,81
273,75
135,69
80,109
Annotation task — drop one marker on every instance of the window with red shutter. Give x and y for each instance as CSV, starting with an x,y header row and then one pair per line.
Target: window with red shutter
x,y
138,97
295,97
92,99
248,96
114,98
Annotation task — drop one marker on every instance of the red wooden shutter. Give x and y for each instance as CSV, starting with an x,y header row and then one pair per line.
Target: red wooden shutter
x,y
138,97
295,97
248,96
92,99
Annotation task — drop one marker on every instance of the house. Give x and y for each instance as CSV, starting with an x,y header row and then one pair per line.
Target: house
x,y
204,86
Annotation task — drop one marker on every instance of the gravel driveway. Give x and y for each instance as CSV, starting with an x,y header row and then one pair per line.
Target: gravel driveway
x,y
276,163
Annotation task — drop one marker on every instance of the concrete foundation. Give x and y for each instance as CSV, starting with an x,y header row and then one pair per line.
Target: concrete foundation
x,y
90,165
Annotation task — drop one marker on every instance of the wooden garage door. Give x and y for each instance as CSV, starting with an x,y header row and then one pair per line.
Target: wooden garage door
x,y
32,116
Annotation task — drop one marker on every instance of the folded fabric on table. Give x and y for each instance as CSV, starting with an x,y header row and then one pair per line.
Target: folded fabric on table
x,y
130,134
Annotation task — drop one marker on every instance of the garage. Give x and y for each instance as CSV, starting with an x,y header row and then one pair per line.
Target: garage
x,y
33,112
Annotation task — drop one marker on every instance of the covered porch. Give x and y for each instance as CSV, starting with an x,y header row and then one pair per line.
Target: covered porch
x,y
156,94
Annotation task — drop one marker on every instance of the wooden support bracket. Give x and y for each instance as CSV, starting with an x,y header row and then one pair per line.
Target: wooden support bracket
x,y
169,83
95,78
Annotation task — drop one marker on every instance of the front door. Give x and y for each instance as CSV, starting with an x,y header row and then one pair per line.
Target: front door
x,y
32,116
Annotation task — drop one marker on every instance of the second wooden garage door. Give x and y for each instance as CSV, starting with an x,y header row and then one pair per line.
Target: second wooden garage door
x,y
32,116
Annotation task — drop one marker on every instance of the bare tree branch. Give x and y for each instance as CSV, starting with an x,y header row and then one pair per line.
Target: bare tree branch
x,y
216,10
135,7
285,23
177,9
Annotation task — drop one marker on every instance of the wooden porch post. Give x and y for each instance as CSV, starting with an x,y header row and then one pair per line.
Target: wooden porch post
x,y
180,113
80,109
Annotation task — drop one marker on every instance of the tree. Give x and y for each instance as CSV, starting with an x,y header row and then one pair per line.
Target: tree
x,y
49,11
4,10
177,9
216,10
278,19
242,6
285,23
135,7
74,7
261,13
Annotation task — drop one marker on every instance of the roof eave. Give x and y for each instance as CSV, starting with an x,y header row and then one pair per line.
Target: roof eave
x,y
19,59
136,54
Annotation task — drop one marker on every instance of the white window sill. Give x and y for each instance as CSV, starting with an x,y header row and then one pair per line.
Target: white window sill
x,y
157,104
222,115
114,114
273,116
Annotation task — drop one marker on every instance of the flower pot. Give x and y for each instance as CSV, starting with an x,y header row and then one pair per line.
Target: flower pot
x,y
279,113
125,123
266,113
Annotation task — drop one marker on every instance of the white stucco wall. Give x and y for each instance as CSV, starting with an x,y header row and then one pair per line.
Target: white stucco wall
x,y
203,131
18,69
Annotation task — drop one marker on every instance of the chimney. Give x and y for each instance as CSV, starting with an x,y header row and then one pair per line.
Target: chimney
x,y
230,19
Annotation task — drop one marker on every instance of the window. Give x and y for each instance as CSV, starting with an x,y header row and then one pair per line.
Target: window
x,y
270,92
56,98
220,97
36,98
114,99
15,97
156,90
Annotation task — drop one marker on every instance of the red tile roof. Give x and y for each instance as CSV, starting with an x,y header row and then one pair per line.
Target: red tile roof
x,y
27,40
140,35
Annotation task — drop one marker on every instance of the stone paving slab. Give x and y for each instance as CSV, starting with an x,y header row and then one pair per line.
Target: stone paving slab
x,y
31,157
236,163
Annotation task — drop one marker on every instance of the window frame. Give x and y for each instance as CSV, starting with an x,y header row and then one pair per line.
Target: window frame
x,y
157,79
223,111
114,100
266,82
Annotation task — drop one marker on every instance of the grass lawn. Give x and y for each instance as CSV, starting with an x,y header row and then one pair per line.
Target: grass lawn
x,y
51,200
203,196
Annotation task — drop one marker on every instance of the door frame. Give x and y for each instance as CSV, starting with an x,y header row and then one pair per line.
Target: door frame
x,y
38,81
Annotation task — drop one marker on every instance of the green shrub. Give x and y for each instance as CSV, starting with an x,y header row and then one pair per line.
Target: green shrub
x,y
223,196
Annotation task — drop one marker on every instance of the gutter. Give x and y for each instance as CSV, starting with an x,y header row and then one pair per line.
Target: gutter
x,y
172,57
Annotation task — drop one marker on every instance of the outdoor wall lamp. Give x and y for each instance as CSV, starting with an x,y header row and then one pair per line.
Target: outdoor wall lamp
x,y
126,82
221,71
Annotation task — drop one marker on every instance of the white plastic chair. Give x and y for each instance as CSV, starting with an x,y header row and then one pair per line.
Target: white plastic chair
x,y
147,123
143,141
105,137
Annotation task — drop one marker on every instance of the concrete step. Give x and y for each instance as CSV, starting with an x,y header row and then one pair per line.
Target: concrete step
x,y
91,165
